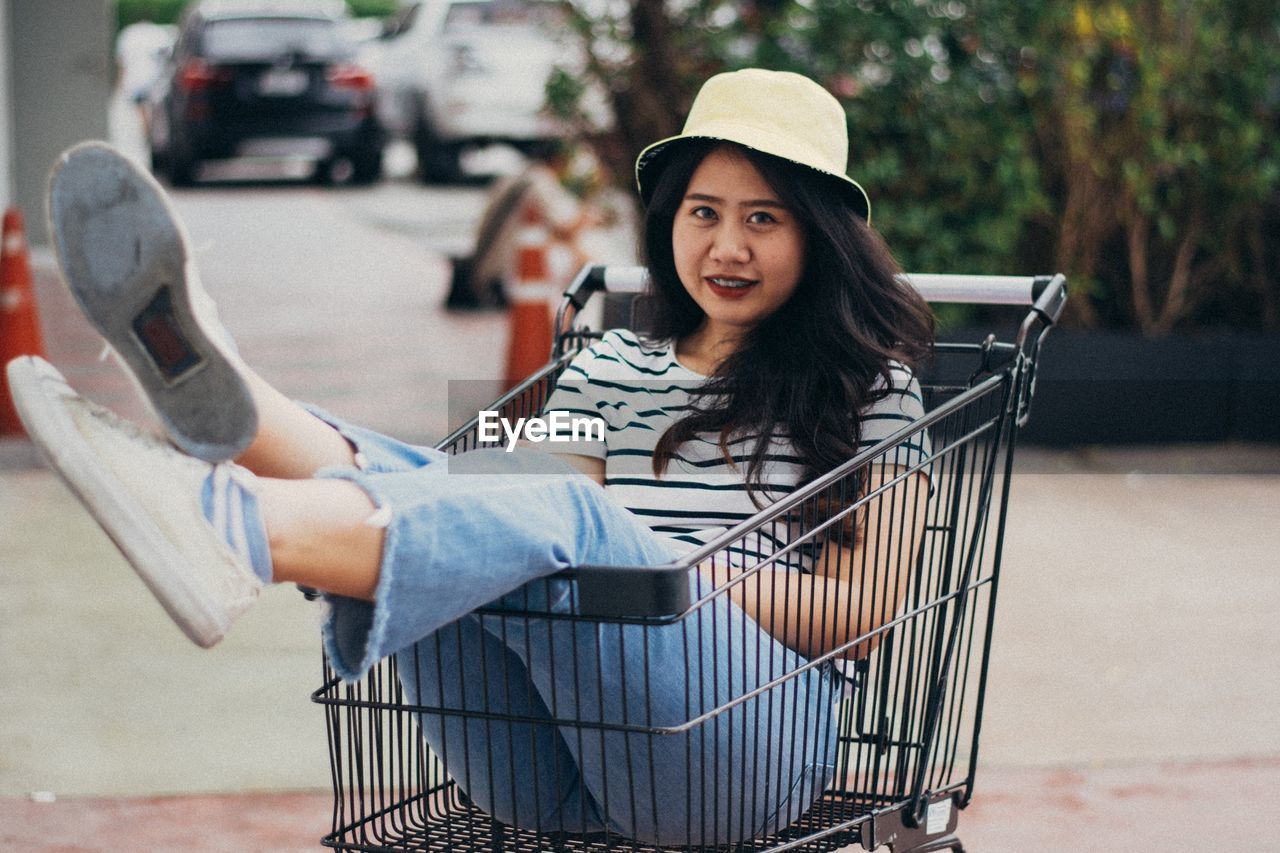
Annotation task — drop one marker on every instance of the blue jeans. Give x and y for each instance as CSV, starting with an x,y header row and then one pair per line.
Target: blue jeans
x,y
488,528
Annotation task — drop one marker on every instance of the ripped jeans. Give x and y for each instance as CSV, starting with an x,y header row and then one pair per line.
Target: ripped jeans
x,y
488,528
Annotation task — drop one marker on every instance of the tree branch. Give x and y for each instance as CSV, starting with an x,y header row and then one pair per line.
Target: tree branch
x,y
1178,301
1138,233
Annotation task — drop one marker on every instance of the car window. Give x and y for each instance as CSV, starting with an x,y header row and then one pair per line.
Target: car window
x,y
504,13
268,38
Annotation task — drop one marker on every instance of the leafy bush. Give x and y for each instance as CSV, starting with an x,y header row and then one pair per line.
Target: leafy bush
x,y
1132,146
158,11
372,8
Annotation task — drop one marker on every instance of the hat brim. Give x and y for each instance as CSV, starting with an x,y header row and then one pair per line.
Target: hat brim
x,y
652,161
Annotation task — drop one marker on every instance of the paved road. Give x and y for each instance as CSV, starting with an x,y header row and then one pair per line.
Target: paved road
x,y
1132,683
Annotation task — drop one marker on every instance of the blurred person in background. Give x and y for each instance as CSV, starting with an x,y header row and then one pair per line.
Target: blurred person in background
x,y
561,186
141,52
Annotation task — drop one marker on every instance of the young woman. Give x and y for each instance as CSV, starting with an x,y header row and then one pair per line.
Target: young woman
x,y
779,344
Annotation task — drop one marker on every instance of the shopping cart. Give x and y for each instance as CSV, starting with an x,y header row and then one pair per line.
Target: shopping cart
x,y
906,705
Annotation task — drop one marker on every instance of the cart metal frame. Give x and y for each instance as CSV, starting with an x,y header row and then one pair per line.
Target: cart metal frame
x,y
910,718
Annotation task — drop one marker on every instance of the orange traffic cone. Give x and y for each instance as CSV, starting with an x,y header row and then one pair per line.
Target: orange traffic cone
x,y
529,294
19,324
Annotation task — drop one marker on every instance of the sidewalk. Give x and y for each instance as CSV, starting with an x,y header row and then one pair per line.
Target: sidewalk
x,y
1132,809
1131,703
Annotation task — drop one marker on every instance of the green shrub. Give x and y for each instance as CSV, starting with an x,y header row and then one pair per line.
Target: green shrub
x,y
1132,146
159,11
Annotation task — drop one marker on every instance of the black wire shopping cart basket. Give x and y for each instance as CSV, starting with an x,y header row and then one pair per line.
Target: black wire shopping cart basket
x,y
909,704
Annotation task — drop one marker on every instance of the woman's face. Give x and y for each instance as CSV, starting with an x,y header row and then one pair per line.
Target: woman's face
x,y
738,251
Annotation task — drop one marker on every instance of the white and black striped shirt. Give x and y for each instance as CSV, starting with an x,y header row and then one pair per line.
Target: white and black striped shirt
x,y
639,390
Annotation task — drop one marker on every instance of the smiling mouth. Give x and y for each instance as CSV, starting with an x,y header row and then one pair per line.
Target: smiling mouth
x,y
731,283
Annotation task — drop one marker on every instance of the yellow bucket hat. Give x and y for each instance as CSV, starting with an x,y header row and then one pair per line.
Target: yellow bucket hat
x,y
775,112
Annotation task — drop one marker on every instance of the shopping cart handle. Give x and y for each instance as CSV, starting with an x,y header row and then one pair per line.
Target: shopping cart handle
x,y
611,279
626,279
1051,297
1026,290
626,591
1044,292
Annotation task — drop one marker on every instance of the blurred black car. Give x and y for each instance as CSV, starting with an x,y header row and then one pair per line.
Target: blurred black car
x,y
265,78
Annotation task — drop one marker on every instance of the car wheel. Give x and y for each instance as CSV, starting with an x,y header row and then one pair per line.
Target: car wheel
x,y
181,168
366,166
437,160
157,160
157,141
331,170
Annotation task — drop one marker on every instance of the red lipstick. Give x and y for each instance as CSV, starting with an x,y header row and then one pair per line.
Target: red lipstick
x,y
739,288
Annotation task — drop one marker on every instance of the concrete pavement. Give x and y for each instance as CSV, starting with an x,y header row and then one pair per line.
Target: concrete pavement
x,y
1132,691
1132,696
1131,808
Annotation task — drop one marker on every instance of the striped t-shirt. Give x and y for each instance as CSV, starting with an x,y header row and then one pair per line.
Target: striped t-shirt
x,y
639,390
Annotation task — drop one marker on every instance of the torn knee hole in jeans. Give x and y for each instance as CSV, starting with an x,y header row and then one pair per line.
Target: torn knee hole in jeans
x,y
380,517
358,457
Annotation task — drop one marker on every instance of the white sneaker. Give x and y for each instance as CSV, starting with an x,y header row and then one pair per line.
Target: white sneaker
x,y
146,496
126,258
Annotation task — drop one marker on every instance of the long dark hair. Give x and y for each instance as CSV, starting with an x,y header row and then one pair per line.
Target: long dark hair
x,y
811,366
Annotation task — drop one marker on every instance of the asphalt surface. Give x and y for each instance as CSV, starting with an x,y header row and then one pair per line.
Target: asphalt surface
x,y
1133,703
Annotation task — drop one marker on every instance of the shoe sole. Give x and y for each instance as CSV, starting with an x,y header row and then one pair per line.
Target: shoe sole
x,y
123,254
39,391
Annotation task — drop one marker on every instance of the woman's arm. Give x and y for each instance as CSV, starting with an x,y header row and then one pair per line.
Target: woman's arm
x,y
854,589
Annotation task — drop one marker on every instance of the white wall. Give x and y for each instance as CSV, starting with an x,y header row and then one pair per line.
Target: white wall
x,y
59,87
6,110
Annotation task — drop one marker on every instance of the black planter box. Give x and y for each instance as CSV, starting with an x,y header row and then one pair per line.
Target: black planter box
x,y
1096,387
1117,388
1257,401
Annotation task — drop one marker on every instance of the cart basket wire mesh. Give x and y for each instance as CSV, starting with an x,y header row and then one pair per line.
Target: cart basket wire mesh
x,y
882,722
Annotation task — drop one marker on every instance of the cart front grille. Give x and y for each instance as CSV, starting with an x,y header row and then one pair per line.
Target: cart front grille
x,y
443,820
905,715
